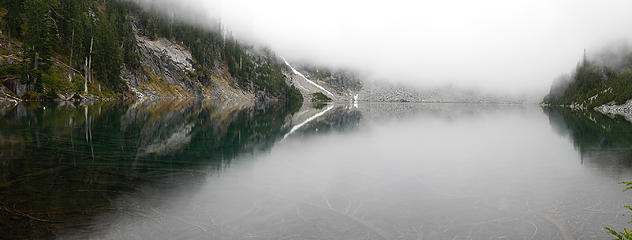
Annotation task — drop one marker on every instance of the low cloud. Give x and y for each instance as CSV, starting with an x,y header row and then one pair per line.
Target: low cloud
x,y
510,46
615,55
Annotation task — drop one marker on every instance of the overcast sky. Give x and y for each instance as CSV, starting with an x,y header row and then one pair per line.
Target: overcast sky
x,y
493,44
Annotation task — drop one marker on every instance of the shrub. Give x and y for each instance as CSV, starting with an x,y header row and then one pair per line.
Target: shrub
x,y
320,97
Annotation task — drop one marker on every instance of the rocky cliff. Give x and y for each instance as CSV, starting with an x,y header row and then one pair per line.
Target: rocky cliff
x,y
107,50
167,72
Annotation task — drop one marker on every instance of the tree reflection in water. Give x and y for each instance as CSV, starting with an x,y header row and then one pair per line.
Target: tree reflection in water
x,y
64,164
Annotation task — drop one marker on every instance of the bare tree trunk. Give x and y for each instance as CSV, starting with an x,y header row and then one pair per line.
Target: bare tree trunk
x,y
85,112
35,60
72,42
90,60
85,78
9,40
35,64
88,130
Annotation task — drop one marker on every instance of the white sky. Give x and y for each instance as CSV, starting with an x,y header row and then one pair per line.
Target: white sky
x,y
515,46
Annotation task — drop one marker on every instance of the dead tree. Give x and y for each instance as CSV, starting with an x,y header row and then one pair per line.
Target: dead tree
x,y
72,42
88,68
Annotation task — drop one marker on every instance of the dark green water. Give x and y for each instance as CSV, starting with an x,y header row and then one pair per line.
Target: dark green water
x,y
194,170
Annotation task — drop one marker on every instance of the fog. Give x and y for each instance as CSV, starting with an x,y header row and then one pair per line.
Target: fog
x,y
509,46
616,56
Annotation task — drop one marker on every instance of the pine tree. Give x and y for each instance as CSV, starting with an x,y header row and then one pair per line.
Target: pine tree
x,y
117,11
13,18
107,59
68,22
38,40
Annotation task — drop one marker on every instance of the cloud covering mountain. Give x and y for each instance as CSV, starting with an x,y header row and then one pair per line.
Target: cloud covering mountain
x,y
510,46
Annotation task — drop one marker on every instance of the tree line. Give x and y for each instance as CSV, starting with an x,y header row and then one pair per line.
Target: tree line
x,y
79,44
593,84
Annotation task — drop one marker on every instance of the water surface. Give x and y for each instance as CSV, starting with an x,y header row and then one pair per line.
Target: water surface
x,y
194,170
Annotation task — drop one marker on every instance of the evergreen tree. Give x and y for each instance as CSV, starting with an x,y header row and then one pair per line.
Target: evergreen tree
x,y
38,40
97,38
70,12
13,18
117,11
107,60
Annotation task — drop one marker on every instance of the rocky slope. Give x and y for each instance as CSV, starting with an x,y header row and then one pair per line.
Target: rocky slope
x,y
167,70
118,50
384,92
308,86
624,110
340,85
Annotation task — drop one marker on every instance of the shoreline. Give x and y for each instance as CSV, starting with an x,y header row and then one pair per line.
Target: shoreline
x,y
624,110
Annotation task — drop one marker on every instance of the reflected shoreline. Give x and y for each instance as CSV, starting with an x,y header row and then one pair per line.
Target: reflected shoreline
x,y
65,163
85,171
601,140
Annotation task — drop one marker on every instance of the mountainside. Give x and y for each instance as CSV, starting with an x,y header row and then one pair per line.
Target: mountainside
x,y
599,84
384,92
343,83
88,49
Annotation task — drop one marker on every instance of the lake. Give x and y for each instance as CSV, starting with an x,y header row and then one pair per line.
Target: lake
x,y
197,170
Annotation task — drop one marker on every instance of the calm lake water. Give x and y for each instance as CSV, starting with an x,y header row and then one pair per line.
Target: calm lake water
x,y
194,170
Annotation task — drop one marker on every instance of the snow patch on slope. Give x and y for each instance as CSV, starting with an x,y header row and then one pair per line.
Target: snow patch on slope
x,y
309,81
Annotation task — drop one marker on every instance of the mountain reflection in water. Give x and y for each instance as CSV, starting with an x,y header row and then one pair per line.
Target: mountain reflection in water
x,y
603,141
64,164
194,170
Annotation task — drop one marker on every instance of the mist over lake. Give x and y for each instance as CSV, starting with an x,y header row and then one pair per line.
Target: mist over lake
x,y
195,170
329,119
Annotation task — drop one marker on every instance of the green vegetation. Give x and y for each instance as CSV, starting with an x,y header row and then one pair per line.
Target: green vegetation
x,y
320,97
61,45
626,234
210,48
51,146
593,85
592,131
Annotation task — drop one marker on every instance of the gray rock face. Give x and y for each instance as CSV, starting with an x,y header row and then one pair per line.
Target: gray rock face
x,y
15,86
343,84
390,93
165,67
383,92
624,110
5,96
302,85
165,59
167,72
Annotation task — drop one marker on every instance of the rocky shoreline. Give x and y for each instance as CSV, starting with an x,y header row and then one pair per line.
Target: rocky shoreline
x,y
624,110
6,97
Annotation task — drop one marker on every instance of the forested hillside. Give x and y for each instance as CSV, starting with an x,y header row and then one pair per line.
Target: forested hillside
x,y
65,49
594,83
